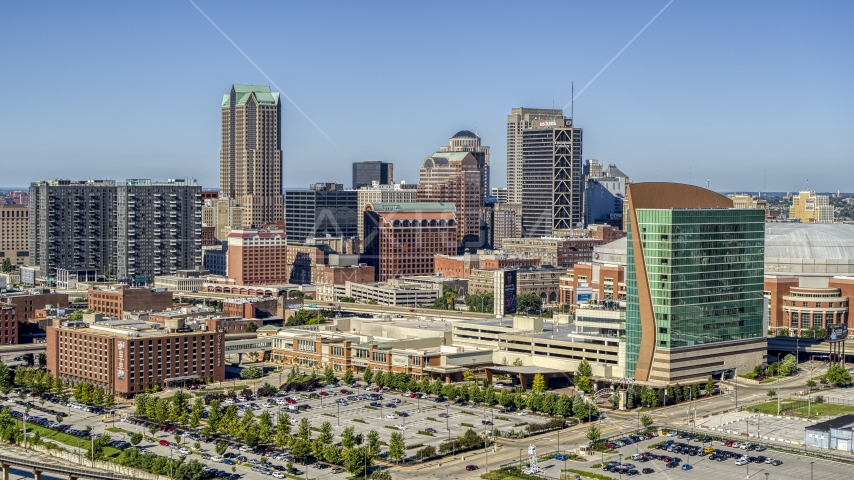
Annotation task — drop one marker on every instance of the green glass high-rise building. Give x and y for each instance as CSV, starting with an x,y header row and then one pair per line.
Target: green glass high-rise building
x,y
694,284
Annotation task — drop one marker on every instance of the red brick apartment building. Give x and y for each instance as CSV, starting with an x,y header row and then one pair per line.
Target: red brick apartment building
x,y
8,325
402,239
257,257
27,304
127,362
608,282
460,266
116,299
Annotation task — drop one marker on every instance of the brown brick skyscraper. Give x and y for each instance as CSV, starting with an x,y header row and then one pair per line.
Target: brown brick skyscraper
x,y
250,162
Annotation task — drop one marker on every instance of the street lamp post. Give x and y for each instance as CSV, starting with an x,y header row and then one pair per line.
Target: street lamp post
x,y
447,422
339,414
811,465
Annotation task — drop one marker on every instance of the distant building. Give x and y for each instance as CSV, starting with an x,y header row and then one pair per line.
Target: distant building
x,y
556,251
461,266
453,177
159,228
811,208
544,170
251,307
183,281
500,194
370,171
745,200
257,257
378,193
543,282
468,141
71,225
506,222
116,300
215,259
14,234
402,239
26,304
323,209
224,215
250,161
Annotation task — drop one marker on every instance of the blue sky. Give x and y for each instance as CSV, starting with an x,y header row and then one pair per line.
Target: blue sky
x,y
719,91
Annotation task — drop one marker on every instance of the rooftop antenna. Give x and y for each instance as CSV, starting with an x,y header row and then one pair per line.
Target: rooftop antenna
x,y
707,184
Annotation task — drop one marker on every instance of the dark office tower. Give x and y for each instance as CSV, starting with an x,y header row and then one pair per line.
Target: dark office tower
x,y
325,209
551,169
468,141
72,226
370,171
159,228
250,162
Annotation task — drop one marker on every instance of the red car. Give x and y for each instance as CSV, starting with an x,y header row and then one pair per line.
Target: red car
x,y
323,394
345,391
164,443
471,467
290,400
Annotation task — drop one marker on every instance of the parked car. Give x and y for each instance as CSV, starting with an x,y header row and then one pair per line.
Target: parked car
x,y
469,468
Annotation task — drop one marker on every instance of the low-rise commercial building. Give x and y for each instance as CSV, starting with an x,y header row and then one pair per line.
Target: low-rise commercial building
x,y
397,294
232,324
556,251
183,281
252,307
125,357
543,282
116,299
834,434
794,308
26,303
460,266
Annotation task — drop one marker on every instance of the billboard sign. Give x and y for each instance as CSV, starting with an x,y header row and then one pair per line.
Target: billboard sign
x,y
509,291
837,332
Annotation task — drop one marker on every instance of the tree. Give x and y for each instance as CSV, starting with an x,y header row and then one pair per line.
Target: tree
x,y
197,412
325,436
396,447
251,372
837,375
178,438
299,448
265,427
348,437
347,300
220,447
695,391
593,433
135,439
42,359
304,431
372,302
328,374
811,383
332,453
348,377
517,362
468,376
152,429
7,265
528,302
357,461
771,393
251,328
381,475
584,384
584,369
710,387
646,421
539,384
373,443
29,359
368,375
788,365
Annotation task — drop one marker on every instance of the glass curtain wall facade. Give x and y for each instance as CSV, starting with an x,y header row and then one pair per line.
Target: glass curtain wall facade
x,y
704,268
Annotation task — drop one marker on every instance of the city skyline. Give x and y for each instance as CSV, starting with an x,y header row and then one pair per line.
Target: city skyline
x,y
696,96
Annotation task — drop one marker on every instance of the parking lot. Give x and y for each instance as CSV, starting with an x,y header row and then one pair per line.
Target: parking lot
x,y
394,412
792,467
766,427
